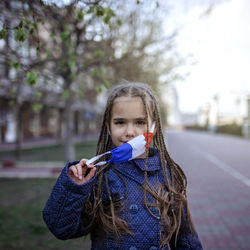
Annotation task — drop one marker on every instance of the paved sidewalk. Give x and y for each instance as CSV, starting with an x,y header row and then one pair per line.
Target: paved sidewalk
x,y
32,170
28,169
45,142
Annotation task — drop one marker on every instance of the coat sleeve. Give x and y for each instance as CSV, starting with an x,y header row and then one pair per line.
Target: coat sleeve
x,y
63,210
186,239
186,242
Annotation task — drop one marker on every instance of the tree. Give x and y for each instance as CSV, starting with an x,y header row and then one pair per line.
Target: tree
x,y
100,43
61,50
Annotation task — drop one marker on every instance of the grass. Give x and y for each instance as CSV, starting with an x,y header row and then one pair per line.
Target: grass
x,y
52,153
22,202
21,223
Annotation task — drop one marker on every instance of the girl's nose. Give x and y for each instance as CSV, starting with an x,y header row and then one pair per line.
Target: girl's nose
x,y
130,132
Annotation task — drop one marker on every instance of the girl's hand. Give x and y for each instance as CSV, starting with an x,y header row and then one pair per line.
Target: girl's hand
x,y
81,173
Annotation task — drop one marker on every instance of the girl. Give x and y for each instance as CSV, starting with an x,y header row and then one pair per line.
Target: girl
x,y
136,204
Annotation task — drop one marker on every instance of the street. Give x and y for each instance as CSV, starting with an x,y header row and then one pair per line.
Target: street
x,y
218,172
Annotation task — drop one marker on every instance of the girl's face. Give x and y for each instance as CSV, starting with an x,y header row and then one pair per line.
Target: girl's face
x,y
128,119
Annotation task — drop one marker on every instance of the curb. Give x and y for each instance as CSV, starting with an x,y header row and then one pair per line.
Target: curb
x,y
23,173
24,169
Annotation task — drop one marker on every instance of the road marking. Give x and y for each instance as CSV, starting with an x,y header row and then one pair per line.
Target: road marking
x,y
222,165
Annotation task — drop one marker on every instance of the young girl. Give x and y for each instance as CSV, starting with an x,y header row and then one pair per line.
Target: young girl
x,y
136,204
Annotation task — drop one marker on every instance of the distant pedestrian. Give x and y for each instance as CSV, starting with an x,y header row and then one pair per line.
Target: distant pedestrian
x,y
136,197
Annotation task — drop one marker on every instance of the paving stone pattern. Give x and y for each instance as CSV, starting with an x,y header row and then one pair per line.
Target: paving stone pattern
x,y
219,203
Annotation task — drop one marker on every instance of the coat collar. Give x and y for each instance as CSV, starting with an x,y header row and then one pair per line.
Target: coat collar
x,y
134,169
153,161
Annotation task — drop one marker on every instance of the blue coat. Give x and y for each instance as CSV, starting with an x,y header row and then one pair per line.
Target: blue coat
x,y
63,217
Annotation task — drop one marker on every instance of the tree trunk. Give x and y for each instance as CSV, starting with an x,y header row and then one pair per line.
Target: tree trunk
x,y
18,117
68,119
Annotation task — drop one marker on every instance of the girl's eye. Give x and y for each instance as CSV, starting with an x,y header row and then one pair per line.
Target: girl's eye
x,y
141,122
119,122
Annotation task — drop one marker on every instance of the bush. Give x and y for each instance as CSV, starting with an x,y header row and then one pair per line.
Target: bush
x,y
232,129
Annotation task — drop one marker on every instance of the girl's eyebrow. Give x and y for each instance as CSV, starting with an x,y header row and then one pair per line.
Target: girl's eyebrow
x,y
141,118
137,118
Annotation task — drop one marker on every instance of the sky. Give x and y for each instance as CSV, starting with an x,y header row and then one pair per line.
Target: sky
x,y
220,45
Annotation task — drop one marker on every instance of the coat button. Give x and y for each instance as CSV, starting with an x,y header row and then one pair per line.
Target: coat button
x,y
133,248
153,248
133,208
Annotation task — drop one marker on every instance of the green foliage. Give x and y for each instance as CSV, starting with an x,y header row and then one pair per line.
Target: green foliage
x,y
61,64
48,55
20,25
109,13
72,60
3,33
36,107
20,35
38,94
65,95
31,78
106,84
71,63
100,11
72,75
91,10
12,103
98,89
32,31
80,15
98,72
65,35
233,129
51,153
32,27
99,53
15,65
119,22
13,93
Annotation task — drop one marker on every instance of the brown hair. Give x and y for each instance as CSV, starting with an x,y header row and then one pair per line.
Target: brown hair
x,y
170,196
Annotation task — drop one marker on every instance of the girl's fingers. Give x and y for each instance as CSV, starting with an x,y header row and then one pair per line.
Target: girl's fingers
x,y
82,172
91,173
84,167
83,162
79,171
73,170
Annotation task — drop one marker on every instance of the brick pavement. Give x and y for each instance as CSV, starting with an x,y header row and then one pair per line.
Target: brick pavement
x,y
219,203
222,223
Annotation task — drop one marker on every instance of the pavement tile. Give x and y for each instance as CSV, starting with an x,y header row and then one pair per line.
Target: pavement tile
x,y
219,242
237,221
243,241
218,230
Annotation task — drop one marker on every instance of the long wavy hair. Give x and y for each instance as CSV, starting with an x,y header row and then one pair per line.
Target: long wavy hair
x,y
170,196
